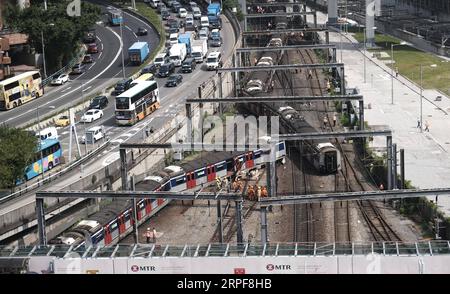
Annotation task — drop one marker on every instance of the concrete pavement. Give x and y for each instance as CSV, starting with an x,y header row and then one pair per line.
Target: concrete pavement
x,y
427,158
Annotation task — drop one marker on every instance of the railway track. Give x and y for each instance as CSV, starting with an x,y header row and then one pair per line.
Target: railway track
x,y
377,224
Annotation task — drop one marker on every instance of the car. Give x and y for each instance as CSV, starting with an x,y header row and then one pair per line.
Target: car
x,y
141,31
176,6
59,80
174,80
152,68
166,70
215,33
196,12
213,60
89,37
92,48
173,38
189,19
182,12
99,102
191,27
122,86
161,6
160,59
204,34
88,58
165,14
215,22
188,65
93,135
170,3
77,69
91,115
215,41
173,30
204,22
62,121
192,5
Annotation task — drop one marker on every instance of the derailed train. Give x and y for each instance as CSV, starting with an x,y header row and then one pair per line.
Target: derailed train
x,y
115,220
324,156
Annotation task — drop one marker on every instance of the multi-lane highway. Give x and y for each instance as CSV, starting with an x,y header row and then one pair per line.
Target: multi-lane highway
x,y
171,104
106,70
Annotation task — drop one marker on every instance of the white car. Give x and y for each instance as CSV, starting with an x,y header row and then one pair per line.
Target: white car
x,y
182,12
197,13
93,135
61,79
203,34
91,115
190,19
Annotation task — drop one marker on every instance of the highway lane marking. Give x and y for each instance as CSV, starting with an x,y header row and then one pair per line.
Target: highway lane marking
x,y
100,53
89,81
91,66
68,88
85,89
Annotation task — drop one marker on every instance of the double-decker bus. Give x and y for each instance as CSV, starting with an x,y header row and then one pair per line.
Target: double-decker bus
x,y
115,17
47,156
137,102
20,89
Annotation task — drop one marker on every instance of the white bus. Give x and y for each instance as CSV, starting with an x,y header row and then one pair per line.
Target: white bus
x,y
137,102
20,89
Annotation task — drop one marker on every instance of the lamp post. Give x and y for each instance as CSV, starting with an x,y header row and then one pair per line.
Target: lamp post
x,y
392,69
40,140
365,48
43,51
121,40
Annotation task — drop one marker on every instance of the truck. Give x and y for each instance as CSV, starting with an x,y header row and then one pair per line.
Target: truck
x,y
186,38
138,52
214,9
199,50
178,53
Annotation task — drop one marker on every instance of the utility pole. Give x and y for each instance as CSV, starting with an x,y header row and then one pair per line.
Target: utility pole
x,y
121,40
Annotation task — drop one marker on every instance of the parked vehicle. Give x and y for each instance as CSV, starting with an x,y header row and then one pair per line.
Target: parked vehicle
x,y
138,52
77,69
166,70
174,80
122,86
189,19
178,53
186,38
199,50
59,80
91,115
188,65
99,102
92,135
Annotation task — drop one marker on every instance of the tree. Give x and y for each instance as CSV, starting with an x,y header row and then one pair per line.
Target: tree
x,y
62,33
17,149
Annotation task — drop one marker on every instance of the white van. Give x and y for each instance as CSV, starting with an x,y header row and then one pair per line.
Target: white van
x,y
173,38
48,133
92,135
213,61
204,22
154,3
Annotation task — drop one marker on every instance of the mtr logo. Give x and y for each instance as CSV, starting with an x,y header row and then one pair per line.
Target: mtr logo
x,y
278,267
143,268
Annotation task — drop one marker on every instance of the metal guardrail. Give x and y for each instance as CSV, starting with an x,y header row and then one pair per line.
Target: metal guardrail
x,y
52,177
69,65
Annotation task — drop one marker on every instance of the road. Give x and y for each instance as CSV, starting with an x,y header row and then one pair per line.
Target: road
x,y
106,70
172,101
